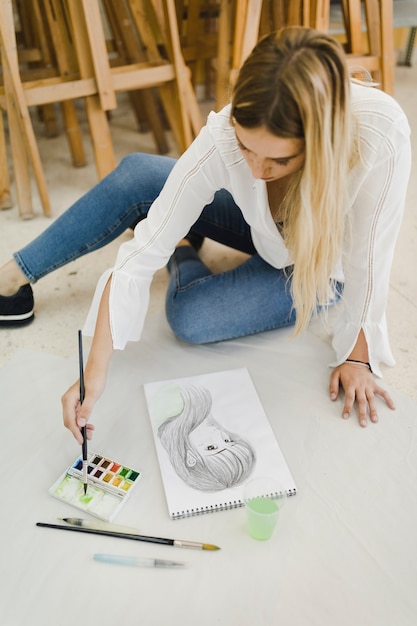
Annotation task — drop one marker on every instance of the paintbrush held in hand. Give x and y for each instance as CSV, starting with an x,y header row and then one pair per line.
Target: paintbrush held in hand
x,y
82,394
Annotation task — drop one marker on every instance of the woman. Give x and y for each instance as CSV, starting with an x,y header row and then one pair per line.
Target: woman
x,y
203,453
303,171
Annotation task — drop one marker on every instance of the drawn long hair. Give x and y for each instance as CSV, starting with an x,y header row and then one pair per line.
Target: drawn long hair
x,y
214,472
296,84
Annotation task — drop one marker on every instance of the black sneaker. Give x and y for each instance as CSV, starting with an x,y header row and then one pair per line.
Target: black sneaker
x,y
17,310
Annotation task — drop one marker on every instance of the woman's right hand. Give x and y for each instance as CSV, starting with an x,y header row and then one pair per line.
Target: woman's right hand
x,y
76,415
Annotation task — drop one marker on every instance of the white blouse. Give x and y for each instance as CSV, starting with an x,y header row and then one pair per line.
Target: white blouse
x,y
375,201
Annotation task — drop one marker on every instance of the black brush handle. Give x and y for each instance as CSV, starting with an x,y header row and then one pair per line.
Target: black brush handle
x,y
82,391
108,533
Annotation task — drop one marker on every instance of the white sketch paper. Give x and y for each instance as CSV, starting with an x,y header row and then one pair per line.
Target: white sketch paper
x,y
211,436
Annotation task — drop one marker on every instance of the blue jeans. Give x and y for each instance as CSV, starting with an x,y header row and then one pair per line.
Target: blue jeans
x,y
201,306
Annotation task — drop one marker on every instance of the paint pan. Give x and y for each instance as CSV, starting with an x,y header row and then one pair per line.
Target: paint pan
x,y
110,484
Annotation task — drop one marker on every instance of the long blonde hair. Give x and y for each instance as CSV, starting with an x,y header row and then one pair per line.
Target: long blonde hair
x,y
295,83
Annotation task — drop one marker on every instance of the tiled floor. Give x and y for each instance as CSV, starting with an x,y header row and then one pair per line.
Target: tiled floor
x,y
62,298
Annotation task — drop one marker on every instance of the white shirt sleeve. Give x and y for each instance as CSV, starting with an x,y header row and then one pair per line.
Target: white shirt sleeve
x,y
377,188
192,183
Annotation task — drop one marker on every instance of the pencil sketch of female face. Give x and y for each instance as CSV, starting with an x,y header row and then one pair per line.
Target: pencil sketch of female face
x,y
209,439
203,453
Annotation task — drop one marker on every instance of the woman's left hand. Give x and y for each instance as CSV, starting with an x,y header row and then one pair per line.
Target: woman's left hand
x,y
359,386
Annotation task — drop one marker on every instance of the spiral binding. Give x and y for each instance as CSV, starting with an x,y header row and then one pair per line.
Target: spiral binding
x,y
223,506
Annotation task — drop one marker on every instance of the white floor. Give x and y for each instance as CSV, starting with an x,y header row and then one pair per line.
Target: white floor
x,y
62,298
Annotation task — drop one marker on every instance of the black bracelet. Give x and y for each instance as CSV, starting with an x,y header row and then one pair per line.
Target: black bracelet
x,y
368,365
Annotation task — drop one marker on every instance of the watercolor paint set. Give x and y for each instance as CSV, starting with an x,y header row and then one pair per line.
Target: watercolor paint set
x,y
110,484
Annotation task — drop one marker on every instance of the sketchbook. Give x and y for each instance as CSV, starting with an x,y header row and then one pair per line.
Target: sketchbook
x,y
212,436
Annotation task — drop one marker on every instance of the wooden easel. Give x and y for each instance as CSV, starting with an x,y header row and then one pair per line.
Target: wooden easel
x,y
87,73
254,18
6,201
126,48
22,138
374,50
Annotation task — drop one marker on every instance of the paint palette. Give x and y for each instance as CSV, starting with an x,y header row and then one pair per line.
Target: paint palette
x,y
109,486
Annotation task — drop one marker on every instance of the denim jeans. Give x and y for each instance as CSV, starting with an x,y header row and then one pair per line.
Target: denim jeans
x,y
201,306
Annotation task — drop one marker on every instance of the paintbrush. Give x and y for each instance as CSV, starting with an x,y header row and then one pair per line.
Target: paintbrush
x,y
178,543
135,561
82,394
98,525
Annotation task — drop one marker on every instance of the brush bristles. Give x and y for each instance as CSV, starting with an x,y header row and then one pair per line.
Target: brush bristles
x,y
209,546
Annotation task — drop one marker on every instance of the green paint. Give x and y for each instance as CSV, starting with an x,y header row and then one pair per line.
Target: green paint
x,y
263,505
86,498
262,515
167,402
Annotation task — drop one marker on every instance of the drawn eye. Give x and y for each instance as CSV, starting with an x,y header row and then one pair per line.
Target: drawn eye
x,y
227,441
211,447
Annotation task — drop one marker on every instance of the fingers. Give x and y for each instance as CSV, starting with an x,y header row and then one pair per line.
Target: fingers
x,y
365,405
373,414
361,392
382,393
334,385
76,414
89,428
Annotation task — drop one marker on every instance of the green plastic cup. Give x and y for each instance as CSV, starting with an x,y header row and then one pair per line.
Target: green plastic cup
x,y
263,502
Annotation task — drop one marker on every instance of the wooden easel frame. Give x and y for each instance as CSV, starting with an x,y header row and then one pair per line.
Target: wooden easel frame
x,y
91,77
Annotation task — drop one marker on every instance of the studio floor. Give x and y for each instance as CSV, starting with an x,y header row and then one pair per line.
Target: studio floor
x,y
62,299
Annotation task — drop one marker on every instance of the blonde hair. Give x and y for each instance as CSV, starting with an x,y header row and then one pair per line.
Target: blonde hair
x,y
295,83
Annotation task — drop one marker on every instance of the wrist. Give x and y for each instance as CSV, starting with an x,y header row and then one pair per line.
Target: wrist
x,y
361,363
